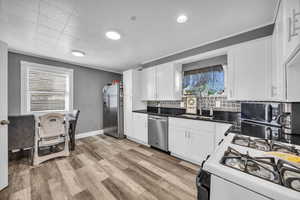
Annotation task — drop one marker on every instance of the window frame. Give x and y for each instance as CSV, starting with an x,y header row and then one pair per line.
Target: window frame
x,y
225,94
25,97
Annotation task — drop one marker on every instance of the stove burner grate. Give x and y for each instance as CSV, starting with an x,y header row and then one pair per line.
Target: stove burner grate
x,y
282,173
262,167
290,175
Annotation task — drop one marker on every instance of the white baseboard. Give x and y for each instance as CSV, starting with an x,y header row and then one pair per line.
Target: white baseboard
x,y
88,134
138,141
186,159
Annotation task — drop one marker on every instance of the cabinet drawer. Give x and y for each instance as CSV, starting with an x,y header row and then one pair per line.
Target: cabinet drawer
x,y
192,124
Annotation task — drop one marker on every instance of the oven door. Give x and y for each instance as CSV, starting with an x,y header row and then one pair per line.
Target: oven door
x,y
222,189
260,130
203,185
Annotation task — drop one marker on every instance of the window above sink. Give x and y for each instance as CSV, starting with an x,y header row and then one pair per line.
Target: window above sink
x,y
205,81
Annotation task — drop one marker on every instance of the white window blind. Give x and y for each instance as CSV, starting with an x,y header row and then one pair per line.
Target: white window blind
x,y
46,88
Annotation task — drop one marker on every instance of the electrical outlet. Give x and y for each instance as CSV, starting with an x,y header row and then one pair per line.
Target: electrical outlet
x,y
182,105
218,104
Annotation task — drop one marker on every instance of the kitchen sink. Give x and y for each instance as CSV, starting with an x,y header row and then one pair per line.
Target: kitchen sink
x,y
196,116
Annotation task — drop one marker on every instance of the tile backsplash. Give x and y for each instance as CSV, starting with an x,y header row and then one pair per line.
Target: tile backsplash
x,y
205,102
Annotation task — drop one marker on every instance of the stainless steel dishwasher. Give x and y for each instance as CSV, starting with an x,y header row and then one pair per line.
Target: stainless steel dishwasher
x,y
158,132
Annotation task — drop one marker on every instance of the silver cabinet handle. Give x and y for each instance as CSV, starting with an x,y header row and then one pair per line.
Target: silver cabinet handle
x,y
4,122
293,28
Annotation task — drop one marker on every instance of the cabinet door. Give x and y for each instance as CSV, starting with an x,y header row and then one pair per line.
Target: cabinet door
x,y
178,140
249,68
149,84
165,83
169,81
277,90
128,116
201,144
292,83
127,82
222,189
292,36
140,127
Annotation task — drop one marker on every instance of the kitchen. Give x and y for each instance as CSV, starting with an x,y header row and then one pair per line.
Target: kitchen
x,y
190,113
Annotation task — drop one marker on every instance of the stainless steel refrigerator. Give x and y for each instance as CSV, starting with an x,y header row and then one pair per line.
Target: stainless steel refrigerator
x,y
113,110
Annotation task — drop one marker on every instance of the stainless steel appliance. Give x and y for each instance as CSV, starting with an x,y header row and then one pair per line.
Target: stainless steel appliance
x,y
285,116
113,110
158,132
203,182
268,113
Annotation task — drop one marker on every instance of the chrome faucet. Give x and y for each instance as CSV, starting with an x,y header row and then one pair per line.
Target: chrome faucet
x,y
211,111
158,107
200,108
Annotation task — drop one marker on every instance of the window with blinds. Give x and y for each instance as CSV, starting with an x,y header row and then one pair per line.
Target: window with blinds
x,y
46,88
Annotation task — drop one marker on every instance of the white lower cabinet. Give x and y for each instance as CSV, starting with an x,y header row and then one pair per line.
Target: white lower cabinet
x,y
178,142
140,128
225,190
191,140
201,144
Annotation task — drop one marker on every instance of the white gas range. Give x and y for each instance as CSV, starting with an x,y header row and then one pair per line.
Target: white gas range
x,y
237,172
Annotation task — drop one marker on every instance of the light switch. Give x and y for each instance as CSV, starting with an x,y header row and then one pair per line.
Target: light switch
x,y
218,104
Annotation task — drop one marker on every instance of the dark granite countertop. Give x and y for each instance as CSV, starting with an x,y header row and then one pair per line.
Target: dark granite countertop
x,y
219,116
285,138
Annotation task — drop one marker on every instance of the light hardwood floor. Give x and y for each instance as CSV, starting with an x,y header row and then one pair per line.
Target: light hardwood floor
x,y
106,169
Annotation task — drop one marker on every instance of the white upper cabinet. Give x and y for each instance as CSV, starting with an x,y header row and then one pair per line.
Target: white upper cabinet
x,y
149,84
162,82
292,77
132,89
285,43
249,70
289,19
169,82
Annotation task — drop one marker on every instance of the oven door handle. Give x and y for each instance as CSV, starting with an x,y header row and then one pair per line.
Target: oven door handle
x,y
269,133
269,113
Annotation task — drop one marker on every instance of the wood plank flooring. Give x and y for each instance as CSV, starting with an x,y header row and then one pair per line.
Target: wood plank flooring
x,y
104,168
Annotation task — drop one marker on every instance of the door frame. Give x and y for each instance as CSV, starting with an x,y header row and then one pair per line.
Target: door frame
x,y
3,116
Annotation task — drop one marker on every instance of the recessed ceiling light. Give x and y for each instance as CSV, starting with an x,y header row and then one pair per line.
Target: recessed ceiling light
x,y
182,19
113,35
78,53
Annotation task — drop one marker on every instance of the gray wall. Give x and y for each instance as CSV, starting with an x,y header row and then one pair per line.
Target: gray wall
x,y
243,37
88,84
218,60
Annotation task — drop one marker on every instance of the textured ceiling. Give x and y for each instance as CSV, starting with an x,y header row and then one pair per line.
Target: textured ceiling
x,y
52,28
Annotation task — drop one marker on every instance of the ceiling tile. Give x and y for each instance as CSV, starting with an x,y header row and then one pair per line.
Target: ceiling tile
x,y
47,32
66,5
20,9
54,12
51,23
53,28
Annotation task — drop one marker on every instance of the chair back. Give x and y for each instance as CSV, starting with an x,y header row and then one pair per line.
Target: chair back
x,y
51,125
